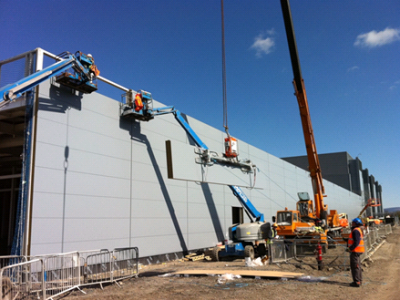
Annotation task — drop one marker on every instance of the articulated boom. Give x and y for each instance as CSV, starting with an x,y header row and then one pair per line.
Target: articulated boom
x,y
248,238
140,107
81,79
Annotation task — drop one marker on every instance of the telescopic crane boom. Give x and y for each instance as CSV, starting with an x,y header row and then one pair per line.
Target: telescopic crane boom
x,y
309,219
300,92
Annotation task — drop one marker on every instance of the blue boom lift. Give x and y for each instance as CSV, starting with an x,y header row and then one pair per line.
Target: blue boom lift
x,y
76,71
248,239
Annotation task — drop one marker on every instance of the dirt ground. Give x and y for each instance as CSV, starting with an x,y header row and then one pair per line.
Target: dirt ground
x,y
381,280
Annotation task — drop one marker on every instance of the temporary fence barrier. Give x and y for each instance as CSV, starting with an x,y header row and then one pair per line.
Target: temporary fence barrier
x,y
10,260
125,263
96,267
24,280
63,272
300,249
281,251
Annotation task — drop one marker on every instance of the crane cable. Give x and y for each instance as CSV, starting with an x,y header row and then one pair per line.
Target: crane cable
x,y
224,99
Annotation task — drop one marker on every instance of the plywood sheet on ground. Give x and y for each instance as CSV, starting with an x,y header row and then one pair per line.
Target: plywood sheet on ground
x,y
243,273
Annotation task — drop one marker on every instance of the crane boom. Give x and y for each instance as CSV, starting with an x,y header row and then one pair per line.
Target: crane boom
x,y
300,92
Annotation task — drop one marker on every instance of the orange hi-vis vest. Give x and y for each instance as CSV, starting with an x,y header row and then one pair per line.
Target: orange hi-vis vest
x,y
360,248
138,102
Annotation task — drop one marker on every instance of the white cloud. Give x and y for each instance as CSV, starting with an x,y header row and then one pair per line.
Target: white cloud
x,y
354,68
395,85
271,31
376,39
264,44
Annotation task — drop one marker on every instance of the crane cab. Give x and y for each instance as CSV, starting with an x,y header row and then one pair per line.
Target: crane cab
x,y
305,207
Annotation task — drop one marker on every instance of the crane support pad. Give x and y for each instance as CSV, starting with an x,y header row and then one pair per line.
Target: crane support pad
x,y
182,165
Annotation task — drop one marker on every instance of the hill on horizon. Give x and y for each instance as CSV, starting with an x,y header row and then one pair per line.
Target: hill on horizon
x,y
392,209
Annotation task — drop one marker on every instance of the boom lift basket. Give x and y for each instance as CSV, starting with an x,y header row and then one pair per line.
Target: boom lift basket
x,y
137,106
374,202
82,75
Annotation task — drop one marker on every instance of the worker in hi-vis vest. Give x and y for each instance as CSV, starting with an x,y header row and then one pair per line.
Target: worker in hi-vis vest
x,y
356,249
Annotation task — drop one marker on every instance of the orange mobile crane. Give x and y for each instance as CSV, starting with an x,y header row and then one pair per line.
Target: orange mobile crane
x,y
310,219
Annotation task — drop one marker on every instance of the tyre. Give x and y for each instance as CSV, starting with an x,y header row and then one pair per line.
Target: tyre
x,y
249,251
215,254
261,250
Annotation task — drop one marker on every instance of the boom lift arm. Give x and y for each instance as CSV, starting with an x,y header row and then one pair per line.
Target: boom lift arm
x,y
82,64
141,109
243,235
371,203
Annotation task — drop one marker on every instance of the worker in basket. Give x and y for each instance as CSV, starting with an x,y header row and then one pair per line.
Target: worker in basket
x,y
356,249
93,71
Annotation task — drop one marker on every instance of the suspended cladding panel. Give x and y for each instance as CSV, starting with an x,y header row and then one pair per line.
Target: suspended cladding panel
x,y
182,165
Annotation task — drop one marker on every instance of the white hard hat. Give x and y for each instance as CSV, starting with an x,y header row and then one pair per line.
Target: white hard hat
x,y
89,55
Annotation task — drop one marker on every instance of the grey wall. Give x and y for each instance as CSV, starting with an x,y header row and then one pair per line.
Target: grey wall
x,y
334,166
101,182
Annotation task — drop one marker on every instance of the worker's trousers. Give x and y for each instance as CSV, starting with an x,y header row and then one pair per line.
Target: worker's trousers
x,y
355,265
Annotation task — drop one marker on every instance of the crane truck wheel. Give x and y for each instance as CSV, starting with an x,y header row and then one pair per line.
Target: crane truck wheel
x,y
249,251
215,254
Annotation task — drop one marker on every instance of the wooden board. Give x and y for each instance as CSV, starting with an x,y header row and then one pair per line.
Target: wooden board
x,y
243,273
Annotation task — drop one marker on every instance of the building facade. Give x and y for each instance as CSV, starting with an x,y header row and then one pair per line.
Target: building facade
x,y
76,176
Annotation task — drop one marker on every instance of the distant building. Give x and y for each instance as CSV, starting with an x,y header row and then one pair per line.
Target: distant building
x,y
345,171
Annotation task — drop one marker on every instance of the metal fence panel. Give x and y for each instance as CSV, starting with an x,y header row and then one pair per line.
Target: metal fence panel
x,y
125,263
61,273
11,260
23,280
97,267
280,251
301,249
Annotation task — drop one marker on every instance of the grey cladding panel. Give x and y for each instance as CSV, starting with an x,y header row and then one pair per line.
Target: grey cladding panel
x,y
155,228
57,130
76,229
95,185
182,166
116,189
78,206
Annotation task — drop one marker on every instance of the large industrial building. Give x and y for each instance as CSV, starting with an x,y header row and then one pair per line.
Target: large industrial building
x,y
341,169
74,175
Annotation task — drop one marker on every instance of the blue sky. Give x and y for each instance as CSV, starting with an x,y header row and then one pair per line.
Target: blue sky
x,y
349,55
